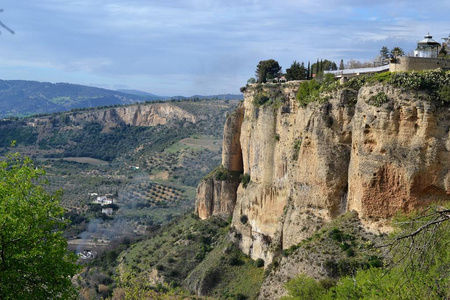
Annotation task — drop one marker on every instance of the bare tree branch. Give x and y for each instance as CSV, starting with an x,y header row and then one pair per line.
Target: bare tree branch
x,y
418,246
4,26
437,217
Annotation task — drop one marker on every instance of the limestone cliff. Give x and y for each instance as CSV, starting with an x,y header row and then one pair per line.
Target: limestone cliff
x,y
310,163
216,195
136,115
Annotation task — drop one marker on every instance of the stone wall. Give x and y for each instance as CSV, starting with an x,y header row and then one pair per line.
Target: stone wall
x,y
418,64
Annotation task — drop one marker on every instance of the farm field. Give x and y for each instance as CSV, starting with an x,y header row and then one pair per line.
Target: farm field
x,y
149,172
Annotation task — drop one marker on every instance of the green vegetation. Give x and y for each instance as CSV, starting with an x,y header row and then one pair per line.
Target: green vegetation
x,y
341,247
150,171
322,65
260,98
267,70
245,179
189,252
222,174
297,71
444,93
423,80
304,287
90,141
311,91
244,219
16,131
176,250
226,273
434,82
138,287
396,52
297,146
417,265
33,251
31,97
273,96
379,99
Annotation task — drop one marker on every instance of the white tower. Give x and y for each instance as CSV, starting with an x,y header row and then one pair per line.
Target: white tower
x,y
427,48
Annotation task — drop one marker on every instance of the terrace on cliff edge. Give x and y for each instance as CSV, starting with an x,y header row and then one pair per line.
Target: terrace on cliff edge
x,y
428,55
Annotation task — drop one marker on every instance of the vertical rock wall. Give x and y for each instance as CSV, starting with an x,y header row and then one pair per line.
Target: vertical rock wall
x,y
308,164
297,158
400,154
217,196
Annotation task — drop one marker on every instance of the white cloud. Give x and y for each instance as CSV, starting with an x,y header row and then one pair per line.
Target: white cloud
x,y
124,42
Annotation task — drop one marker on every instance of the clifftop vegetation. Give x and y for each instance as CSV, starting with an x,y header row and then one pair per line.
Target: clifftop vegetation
x,y
436,82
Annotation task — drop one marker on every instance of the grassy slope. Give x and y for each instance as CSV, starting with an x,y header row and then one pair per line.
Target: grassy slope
x,y
196,255
200,257
339,248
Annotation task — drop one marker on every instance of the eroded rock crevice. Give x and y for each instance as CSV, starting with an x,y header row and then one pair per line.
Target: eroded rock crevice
x,y
216,194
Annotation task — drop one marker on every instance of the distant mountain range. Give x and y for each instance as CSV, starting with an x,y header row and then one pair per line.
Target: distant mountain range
x,y
141,93
218,96
22,98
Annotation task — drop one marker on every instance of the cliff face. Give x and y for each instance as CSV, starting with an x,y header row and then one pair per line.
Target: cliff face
x,y
135,115
400,154
308,164
217,196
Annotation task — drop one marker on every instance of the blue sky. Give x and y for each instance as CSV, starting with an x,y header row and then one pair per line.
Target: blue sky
x,y
174,47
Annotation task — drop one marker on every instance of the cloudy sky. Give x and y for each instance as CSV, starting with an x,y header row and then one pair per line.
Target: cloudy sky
x,y
176,47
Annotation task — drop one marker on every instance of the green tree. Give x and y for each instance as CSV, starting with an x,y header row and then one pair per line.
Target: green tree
x,y
396,52
443,52
304,287
323,65
445,49
297,71
267,69
341,65
384,53
34,261
308,76
251,80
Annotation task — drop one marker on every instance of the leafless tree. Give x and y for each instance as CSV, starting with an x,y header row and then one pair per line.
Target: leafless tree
x,y
4,26
423,240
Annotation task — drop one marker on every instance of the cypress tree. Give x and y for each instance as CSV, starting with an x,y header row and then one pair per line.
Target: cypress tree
x,y
308,75
317,67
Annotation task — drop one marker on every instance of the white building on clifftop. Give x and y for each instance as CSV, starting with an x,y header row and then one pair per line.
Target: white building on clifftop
x,y
427,47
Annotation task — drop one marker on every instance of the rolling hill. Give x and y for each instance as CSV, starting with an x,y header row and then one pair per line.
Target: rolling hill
x,y
23,98
20,98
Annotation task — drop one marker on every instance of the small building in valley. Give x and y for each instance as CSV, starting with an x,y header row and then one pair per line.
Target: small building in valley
x,y
103,200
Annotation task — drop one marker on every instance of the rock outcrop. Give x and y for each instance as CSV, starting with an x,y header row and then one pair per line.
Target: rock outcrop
x,y
134,115
216,195
400,154
308,164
